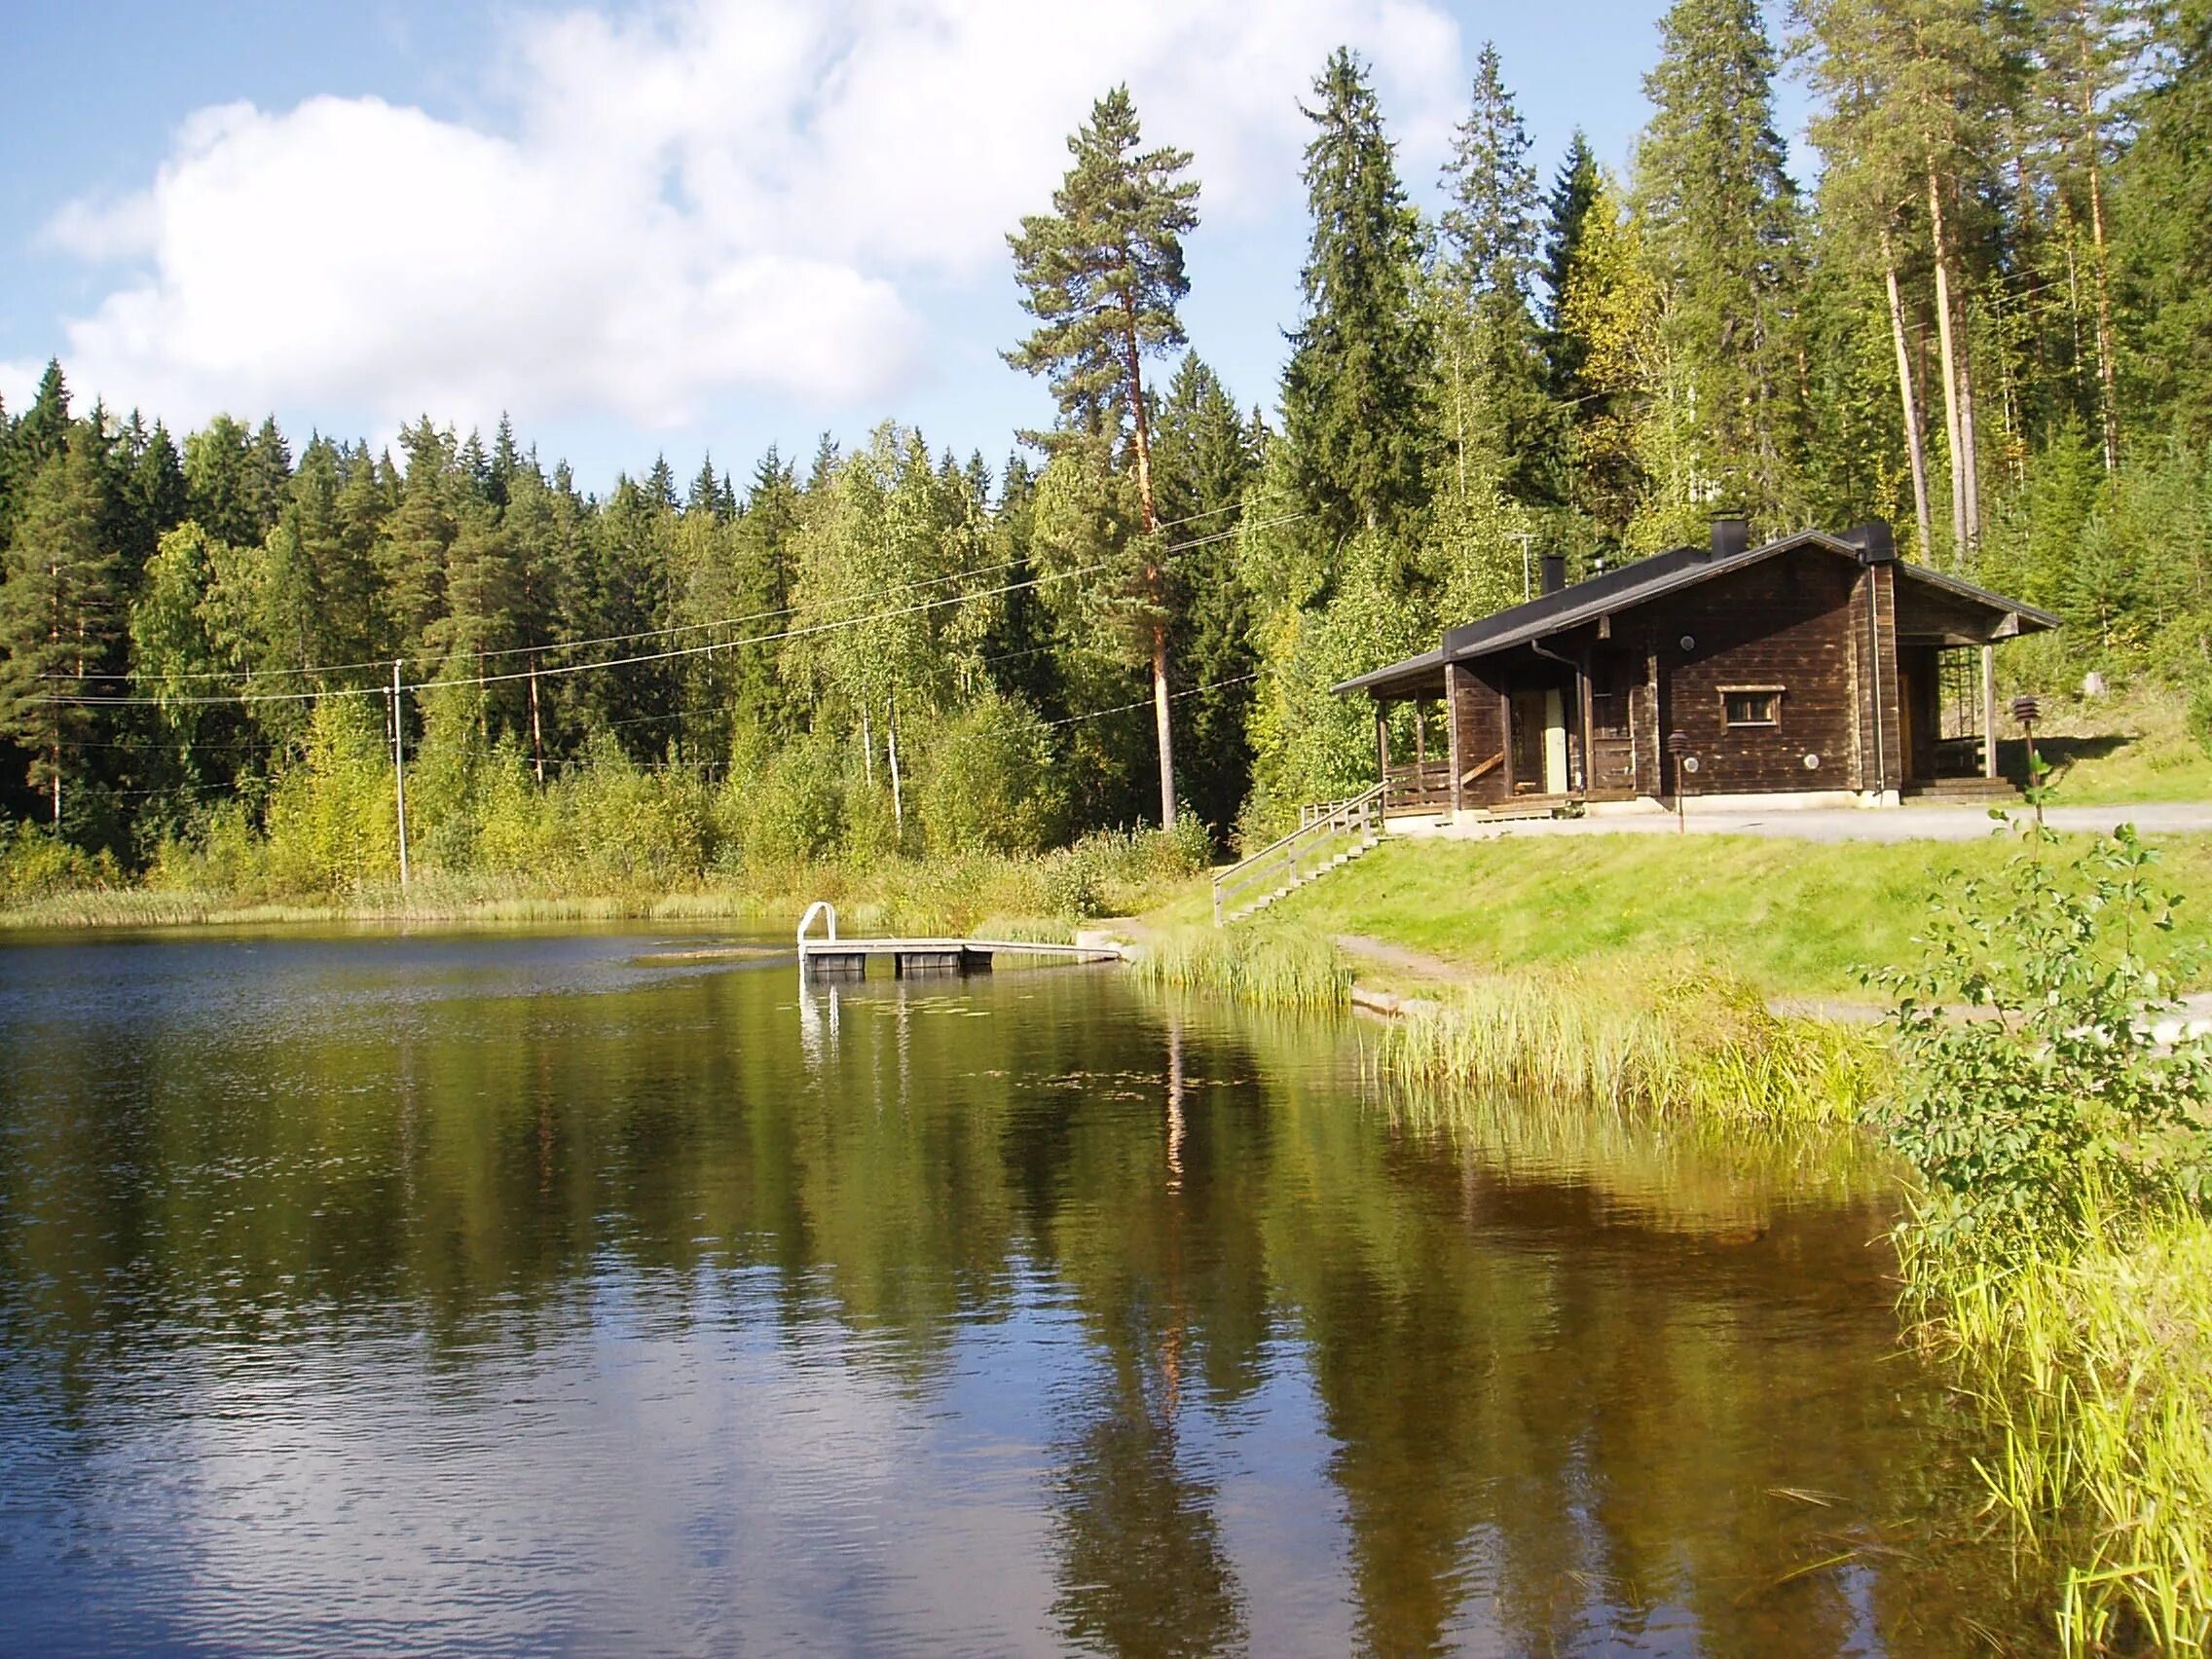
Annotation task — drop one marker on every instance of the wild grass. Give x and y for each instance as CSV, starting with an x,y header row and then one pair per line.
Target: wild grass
x,y
1043,897
1679,1040
2093,1365
2133,746
1268,965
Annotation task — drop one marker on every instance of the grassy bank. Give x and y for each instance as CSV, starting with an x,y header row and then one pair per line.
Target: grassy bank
x,y
2119,750
1269,965
1788,918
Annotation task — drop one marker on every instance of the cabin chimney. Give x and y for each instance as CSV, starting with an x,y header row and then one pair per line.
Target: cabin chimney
x,y
1730,536
1555,572
1876,544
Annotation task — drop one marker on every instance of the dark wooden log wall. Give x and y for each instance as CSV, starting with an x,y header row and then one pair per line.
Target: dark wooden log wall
x,y
1879,737
1784,622
1481,731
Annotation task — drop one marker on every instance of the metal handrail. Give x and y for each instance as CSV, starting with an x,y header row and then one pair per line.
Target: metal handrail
x,y
1357,813
820,906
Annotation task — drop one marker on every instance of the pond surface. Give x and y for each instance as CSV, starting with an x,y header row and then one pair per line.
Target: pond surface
x,y
595,1293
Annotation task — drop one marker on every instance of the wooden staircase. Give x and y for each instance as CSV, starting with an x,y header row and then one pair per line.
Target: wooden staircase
x,y
1961,791
1327,836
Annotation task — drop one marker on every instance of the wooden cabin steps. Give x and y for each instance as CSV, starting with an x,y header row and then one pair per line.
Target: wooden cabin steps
x,y
1328,837
1953,791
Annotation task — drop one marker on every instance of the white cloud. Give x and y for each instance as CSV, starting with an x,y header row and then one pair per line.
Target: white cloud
x,y
689,201
19,384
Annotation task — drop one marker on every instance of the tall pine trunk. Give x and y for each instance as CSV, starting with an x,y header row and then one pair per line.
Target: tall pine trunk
x,y
2108,383
1953,422
536,724
1154,575
1915,438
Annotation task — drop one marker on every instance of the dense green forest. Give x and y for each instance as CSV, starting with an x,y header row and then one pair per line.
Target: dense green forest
x,y
1980,309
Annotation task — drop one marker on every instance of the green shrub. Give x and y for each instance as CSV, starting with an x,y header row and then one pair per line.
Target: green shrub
x,y
37,864
2200,716
332,825
2054,1101
991,785
791,809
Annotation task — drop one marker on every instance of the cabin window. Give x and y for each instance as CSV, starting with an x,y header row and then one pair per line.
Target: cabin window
x,y
1750,705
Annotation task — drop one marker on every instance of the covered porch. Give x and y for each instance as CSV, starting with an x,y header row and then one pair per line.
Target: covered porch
x,y
1525,731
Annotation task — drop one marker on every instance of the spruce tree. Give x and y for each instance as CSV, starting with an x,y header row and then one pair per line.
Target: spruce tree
x,y
1206,462
60,615
1566,211
1501,424
1720,218
1103,275
1352,407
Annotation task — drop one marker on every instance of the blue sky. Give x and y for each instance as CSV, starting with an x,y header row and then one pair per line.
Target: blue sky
x,y
698,225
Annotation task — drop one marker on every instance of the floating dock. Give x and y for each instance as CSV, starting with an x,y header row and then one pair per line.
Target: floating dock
x,y
827,955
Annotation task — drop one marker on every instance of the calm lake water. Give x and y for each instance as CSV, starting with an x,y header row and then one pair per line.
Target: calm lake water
x,y
514,1293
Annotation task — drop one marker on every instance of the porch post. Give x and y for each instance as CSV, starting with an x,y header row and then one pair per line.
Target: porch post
x,y
1505,727
1582,718
1383,752
1421,738
1452,732
1988,710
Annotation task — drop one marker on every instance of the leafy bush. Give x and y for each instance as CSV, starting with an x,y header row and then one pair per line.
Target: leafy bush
x,y
791,809
332,818
2200,716
37,864
991,785
2050,1100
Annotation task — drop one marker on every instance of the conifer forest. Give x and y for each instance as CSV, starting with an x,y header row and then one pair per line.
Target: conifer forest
x,y
1978,305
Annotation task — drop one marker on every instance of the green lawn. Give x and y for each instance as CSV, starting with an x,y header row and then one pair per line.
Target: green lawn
x,y
2116,750
1792,917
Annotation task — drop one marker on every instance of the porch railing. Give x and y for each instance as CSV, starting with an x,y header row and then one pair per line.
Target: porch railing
x,y
1418,784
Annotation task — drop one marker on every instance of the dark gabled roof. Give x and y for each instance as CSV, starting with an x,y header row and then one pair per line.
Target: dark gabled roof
x,y
1655,577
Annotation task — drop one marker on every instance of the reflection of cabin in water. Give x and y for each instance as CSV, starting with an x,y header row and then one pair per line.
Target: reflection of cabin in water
x,y
1820,668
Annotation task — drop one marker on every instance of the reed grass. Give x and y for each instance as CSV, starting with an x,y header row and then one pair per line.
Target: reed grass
x,y
2093,1365
1270,966
1679,1039
1016,897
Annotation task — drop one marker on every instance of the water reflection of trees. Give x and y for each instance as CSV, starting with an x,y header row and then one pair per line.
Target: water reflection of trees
x,y
1552,1398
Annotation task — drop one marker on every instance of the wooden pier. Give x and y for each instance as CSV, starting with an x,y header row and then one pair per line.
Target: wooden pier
x,y
825,955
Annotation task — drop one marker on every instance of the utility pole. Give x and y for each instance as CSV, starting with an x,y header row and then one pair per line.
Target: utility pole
x,y
399,765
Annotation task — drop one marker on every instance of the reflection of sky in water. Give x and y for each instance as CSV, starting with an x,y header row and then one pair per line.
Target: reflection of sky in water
x,y
520,1293
730,1485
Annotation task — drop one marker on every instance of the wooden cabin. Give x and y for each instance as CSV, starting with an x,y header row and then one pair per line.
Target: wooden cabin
x,y
1814,669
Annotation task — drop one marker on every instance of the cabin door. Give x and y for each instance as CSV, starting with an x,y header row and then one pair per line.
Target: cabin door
x,y
1539,742
1613,679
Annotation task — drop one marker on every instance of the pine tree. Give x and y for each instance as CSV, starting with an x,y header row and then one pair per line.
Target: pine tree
x,y
1720,217
60,615
1103,273
1354,413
